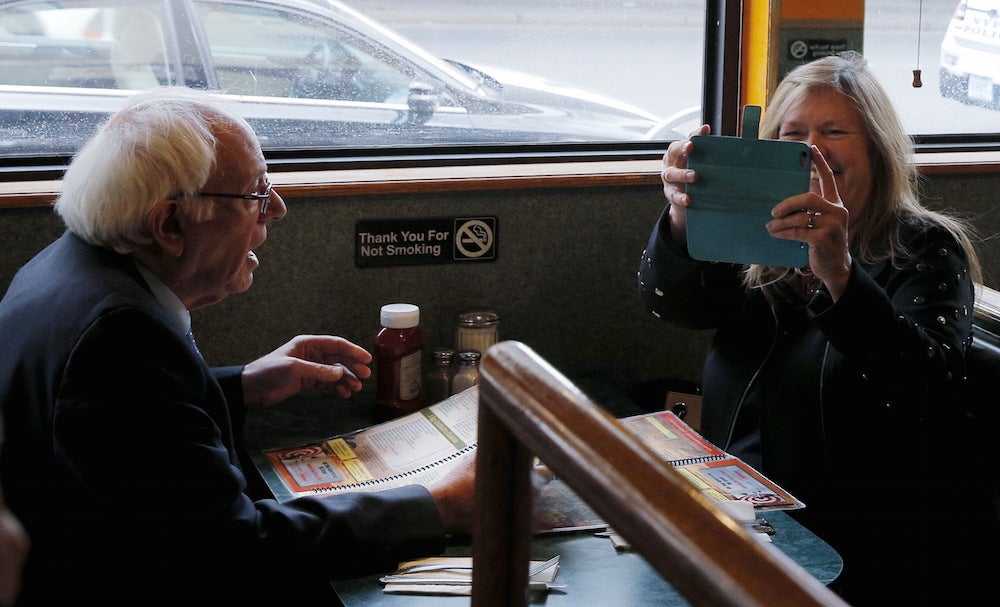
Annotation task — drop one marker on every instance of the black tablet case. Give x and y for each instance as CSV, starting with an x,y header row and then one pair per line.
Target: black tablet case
x,y
740,179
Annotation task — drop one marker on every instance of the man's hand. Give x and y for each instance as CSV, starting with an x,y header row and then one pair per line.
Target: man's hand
x,y
307,362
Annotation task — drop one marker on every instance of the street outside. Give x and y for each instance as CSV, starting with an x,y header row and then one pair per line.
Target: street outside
x,y
649,53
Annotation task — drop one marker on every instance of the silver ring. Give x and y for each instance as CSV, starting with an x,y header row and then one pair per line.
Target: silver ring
x,y
812,221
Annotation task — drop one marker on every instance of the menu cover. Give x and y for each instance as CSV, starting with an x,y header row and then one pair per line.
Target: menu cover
x,y
740,179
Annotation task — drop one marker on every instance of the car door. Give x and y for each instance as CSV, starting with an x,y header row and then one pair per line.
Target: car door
x,y
304,79
64,67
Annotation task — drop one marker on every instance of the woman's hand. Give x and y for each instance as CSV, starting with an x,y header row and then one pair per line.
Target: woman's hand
x,y
307,362
675,176
820,219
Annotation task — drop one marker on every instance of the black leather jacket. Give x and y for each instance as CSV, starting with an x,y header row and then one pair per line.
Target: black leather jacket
x,y
856,403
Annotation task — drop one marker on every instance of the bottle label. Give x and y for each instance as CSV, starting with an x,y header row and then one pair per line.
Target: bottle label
x,y
409,376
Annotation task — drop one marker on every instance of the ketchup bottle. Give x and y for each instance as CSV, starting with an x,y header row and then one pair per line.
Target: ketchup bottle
x,y
399,347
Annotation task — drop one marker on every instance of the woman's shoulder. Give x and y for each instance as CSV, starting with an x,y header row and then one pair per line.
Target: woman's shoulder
x,y
933,242
921,233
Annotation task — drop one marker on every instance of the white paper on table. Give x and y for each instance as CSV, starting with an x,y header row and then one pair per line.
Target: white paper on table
x,y
453,576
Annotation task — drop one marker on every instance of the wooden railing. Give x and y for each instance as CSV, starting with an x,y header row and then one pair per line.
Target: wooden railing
x,y
527,409
987,308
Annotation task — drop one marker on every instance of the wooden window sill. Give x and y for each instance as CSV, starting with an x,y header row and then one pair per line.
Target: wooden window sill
x,y
380,181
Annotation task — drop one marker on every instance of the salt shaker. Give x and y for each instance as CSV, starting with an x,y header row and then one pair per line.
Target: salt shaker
x,y
467,373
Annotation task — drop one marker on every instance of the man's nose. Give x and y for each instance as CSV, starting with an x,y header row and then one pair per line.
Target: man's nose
x,y
276,208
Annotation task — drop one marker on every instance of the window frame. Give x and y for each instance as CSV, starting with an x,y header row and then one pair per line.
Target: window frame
x,y
33,181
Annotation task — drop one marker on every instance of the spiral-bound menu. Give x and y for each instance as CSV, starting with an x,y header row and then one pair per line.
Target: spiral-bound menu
x,y
423,446
414,449
719,475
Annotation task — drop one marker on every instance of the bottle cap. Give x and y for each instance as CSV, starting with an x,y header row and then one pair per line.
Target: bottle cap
x,y
399,316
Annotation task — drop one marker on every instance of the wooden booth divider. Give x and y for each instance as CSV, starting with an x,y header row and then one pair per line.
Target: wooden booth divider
x,y
528,409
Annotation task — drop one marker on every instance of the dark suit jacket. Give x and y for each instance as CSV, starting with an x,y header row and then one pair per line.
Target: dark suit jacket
x,y
120,458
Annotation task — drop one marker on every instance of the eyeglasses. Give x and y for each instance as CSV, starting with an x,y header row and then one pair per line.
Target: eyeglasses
x,y
263,197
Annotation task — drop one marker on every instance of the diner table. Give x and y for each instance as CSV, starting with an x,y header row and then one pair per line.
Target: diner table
x,y
593,570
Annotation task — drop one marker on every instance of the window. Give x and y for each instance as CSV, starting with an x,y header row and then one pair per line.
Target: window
x,y
480,78
956,46
322,75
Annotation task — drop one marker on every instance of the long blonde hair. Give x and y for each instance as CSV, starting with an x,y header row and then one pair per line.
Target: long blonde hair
x,y
875,232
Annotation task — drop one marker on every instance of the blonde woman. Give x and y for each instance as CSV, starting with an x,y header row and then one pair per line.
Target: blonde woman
x,y
841,380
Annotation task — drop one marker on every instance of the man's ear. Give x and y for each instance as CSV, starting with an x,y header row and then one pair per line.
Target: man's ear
x,y
166,227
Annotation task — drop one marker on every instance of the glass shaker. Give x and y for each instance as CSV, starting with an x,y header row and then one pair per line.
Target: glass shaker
x,y
467,373
437,384
476,329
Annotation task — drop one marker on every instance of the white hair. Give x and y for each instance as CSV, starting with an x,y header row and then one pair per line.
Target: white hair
x,y
162,144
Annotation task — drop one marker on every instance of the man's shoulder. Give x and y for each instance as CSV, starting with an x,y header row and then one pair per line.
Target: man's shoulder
x,y
67,286
69,270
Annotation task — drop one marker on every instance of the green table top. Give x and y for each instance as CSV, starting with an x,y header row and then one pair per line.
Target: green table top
x,y
593,570
595,573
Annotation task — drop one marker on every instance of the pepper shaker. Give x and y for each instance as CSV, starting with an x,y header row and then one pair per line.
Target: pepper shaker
x,y
437,385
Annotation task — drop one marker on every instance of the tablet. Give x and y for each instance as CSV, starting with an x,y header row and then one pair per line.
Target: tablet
x,y
740,179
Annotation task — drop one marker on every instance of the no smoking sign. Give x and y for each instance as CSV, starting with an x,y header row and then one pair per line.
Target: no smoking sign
x,y
395,242
475,238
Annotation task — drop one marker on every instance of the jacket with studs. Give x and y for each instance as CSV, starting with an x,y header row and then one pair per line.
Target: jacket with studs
x,y
846,404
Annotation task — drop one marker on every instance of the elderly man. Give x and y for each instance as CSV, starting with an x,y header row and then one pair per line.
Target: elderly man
x,y
120,456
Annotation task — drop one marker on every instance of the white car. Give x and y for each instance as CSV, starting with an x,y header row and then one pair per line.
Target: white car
x,y
304,73
970,54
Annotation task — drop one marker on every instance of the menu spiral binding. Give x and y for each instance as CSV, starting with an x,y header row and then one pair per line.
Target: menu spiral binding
x,y
396,477
678,463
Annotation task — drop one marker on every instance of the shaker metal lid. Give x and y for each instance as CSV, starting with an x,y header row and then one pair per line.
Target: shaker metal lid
x,y
443,353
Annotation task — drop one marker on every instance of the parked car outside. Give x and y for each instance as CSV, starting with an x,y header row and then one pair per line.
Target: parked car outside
x,y
970,54
305,73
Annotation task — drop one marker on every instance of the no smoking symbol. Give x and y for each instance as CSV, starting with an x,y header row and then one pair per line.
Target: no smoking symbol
x,y
798,49
474,239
